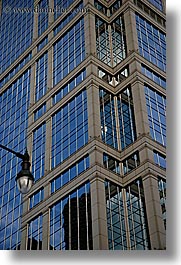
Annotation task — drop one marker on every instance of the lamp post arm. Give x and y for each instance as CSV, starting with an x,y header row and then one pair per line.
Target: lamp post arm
x,y
13,152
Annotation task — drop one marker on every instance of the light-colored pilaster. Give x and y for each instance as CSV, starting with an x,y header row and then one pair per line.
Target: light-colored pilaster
x,y
24,237
99,217
45,233
154,214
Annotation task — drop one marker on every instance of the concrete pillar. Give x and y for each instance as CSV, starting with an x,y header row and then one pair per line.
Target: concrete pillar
x,y
99,217
94,121
90,34
24,236
45,232
164,5
131,33
140,109
50,68
50,13
154,214
32,84
35,26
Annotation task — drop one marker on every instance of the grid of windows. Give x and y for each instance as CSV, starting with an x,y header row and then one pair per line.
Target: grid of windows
x,y
111,34
160,159
162,192
131,163
36,198
156,108
157,3
68,18
132,199
15,70
69,86
38,154
40,111
14,103
108,11
69,174
60,6
152,42
42,43
69,51
69,129
35,234
111,163
41,76
70,221
154,76
42,16
16,31
123,103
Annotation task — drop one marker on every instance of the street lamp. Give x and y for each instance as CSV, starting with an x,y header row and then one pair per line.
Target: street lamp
x,y
24,178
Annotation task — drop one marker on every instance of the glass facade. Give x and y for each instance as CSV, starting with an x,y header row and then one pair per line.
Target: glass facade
x,y
14,103
16,31
153,76
152,42
35,234
111,34
42,16
156,108
69,128
124,105
18,67
126,205
38,154
69,52
157,3
131,163
69,86
70,221
162,193
61,6
41,76
160,159
42,44
36,198
74,171
39,112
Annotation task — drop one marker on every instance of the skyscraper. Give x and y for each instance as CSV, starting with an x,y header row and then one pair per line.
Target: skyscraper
x,y
83,86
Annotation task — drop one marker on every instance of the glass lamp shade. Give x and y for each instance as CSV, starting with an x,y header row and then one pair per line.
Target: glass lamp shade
x,y
24,184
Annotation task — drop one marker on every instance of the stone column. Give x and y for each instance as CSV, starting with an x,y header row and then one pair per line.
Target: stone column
x,y
99,217
24,237
90,34
50,13
140,109
45,233
154,215
131,32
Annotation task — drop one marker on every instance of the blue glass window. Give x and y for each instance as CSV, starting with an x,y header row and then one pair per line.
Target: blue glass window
x,y
42,16
69,52
35,228
156,108
40,111
42,43
36,198
69,86
69,129
152,42
41,76
38,154
157,3
16,31
70,221
14,103
154,76
160,159
69,174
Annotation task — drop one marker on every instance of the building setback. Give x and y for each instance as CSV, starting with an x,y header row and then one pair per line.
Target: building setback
x,y
83,86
